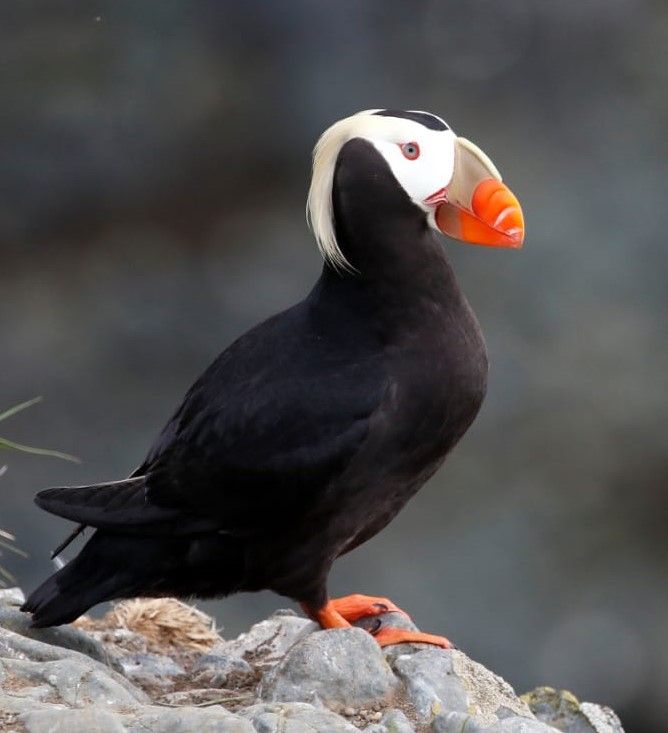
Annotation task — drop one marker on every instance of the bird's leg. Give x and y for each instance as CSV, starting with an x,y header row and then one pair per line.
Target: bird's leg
x,y
339,612
327,617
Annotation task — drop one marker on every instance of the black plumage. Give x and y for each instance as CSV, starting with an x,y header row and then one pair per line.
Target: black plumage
x,y
305,437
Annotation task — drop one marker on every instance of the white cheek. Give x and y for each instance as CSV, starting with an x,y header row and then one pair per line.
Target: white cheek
x,y
422,177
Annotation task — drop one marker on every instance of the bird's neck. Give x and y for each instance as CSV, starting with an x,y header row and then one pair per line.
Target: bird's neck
x,y
407,295
384,235
400,267
402,282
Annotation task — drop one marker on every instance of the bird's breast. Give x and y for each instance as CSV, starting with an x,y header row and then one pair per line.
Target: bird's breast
x,y
438,384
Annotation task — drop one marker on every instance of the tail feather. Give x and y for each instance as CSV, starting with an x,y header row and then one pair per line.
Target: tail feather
x,y
53,605
113,566
121,505
104,505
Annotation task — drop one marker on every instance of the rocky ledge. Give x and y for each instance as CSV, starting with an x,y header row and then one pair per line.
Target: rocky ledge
x,y
160,666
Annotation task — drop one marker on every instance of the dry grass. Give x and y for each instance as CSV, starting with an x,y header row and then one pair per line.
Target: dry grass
x,y
165,622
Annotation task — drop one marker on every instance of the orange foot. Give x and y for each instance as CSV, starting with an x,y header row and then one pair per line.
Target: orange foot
x,y
339,612
358,606
387,635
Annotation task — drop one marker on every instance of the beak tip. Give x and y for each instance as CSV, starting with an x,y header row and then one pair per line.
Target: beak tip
x,y
516,237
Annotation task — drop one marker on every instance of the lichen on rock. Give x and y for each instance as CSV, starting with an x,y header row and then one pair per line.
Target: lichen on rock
x,y
563,711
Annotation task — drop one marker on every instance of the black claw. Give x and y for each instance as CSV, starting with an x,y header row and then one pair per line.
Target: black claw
x,y
377,623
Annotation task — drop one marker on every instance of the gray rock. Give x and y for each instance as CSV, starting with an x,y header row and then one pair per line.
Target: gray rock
x,y
562,710
67,637
40,693
517,724
16,704
151,669
69,675
269,640
207,696
56,681
489,696
216,670
122,641
451,722
431,683
393,721
439,681
83,720
11,597
396,621
602,719
187,720
339,667
75,681
295,718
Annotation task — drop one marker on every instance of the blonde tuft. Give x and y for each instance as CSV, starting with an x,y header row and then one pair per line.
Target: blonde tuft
x,y
319,205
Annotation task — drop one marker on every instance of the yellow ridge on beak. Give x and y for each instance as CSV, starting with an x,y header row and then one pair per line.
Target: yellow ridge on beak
x,y
477,207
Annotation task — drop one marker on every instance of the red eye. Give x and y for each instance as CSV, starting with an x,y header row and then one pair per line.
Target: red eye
x,y
410,150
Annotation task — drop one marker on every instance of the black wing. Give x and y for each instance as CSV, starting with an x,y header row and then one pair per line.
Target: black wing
x,y
274,420
270,424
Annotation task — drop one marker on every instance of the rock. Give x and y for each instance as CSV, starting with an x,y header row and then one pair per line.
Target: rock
x,y
84,720
451,722
188,720
121,641
563,711
40,693
13,704
517,724
37,670
11,597
296,718
207,696
74,681
601,718
489,696
396,621
284,675
96,719
339,667
431,683
441,681
149,670
217,670
393,721
267,641
67,637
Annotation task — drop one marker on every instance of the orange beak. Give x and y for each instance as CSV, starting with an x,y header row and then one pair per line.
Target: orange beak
x,y
476,207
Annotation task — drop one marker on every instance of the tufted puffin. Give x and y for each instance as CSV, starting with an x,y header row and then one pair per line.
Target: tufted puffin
x,y
308,434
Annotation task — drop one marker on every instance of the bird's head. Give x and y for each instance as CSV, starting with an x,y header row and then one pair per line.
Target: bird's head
x,y
454,186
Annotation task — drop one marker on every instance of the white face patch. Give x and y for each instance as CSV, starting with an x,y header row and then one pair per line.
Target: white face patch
x,y
420,176
425,174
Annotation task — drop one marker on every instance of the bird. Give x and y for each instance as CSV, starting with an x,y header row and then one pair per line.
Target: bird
x,y
309,433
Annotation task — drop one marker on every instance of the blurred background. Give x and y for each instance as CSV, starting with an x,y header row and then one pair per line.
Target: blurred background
x,y
154,163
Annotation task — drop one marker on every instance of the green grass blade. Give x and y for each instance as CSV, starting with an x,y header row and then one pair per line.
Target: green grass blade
x,y
4,443
12,548
18,408
6,574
